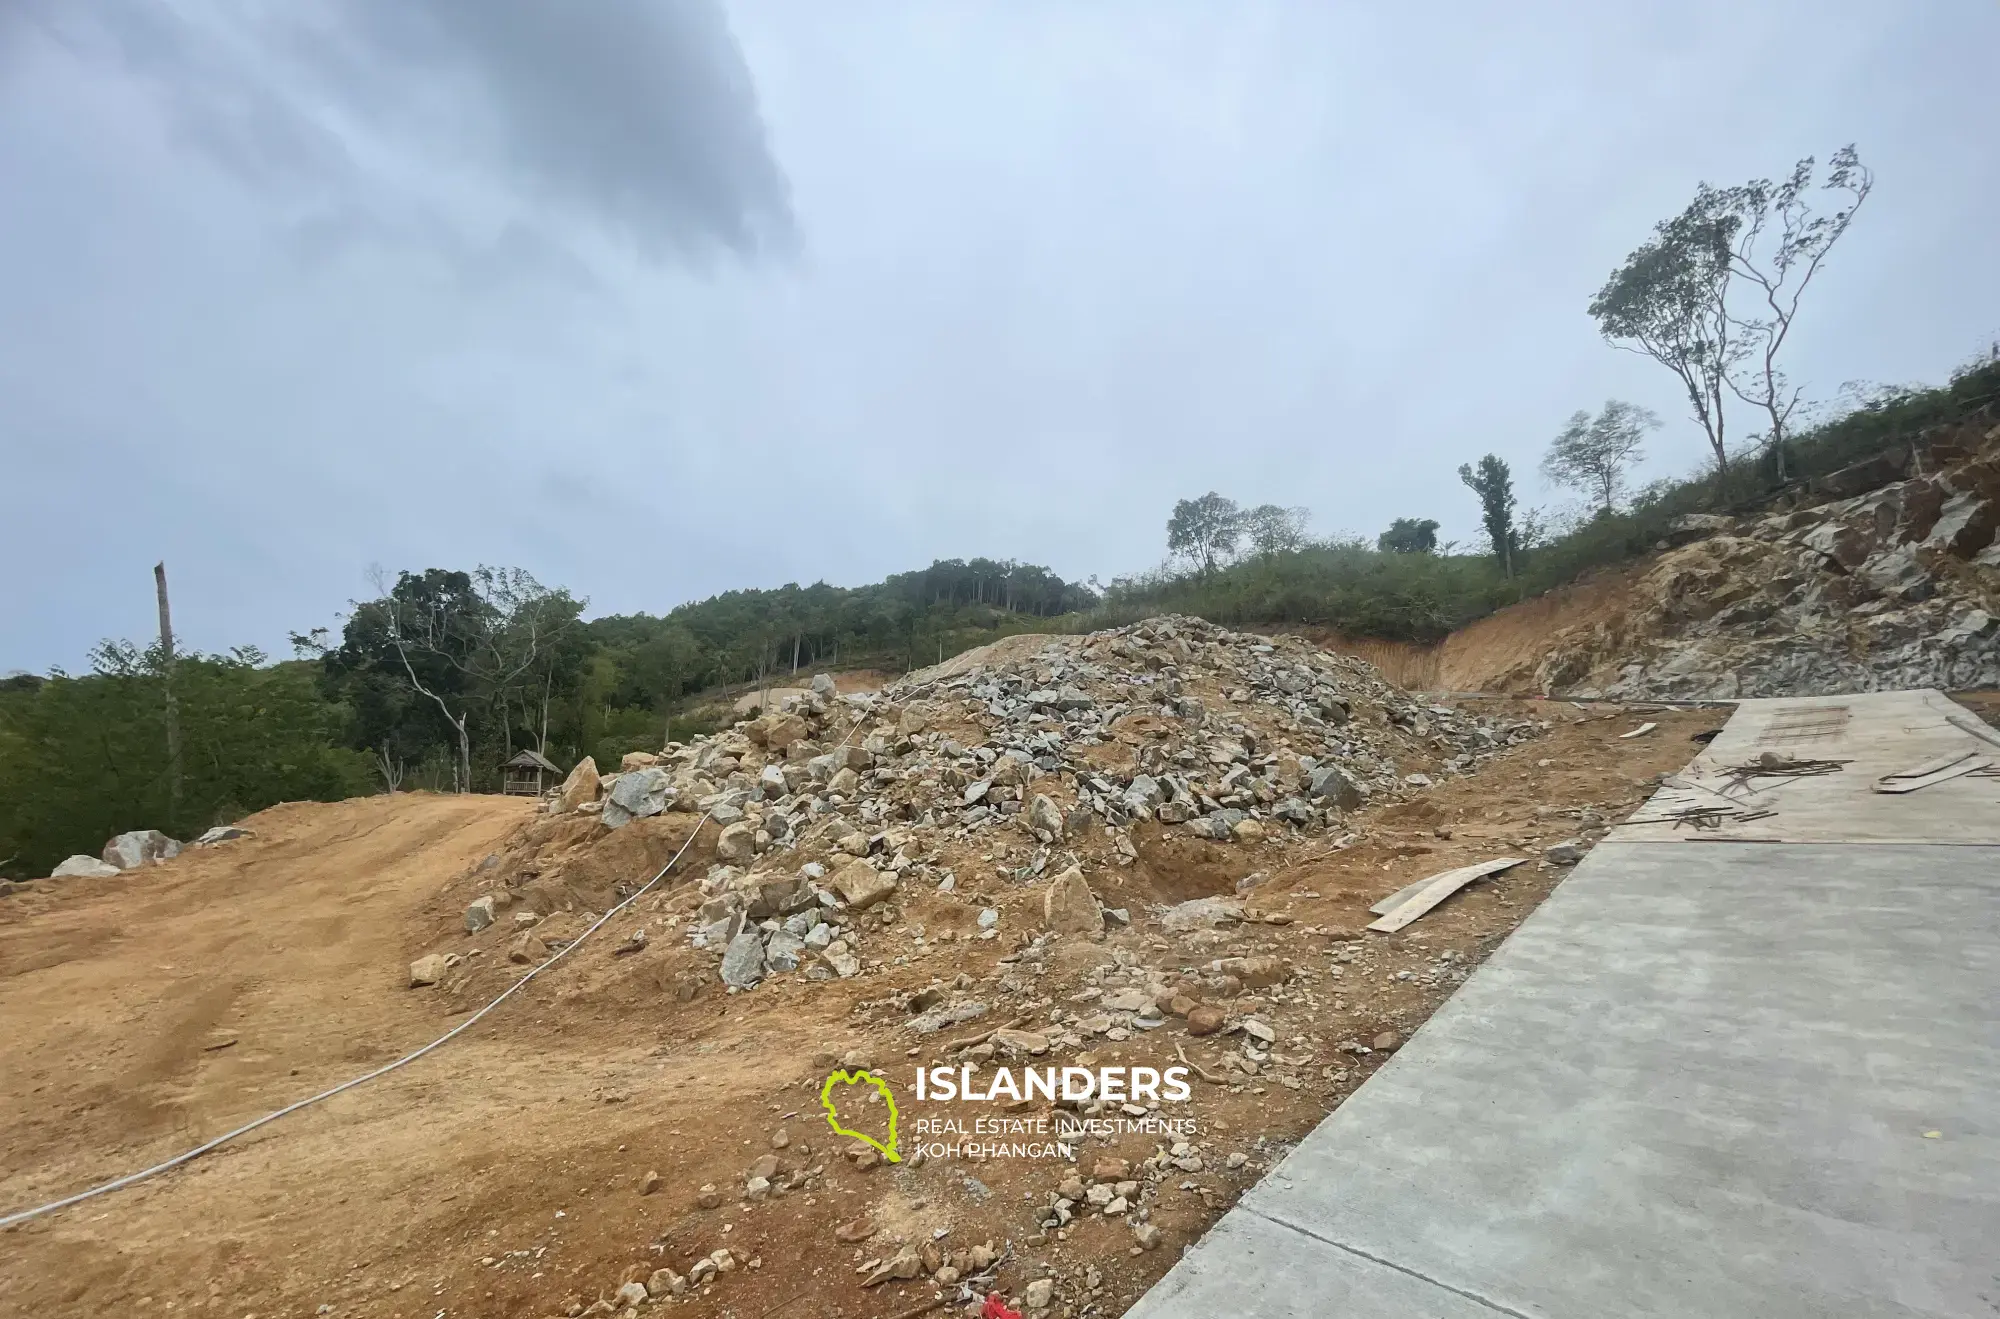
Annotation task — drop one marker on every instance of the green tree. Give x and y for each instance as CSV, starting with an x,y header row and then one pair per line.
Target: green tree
x,y
1592,454
83,758
1409,536
1272,529
1670,301
1205,531
1493,482
486,655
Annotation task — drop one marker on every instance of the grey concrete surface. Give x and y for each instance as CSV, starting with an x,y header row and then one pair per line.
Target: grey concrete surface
x,y
1698,1081
1877,733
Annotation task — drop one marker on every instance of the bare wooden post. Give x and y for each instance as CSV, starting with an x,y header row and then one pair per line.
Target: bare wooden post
x,y
173,707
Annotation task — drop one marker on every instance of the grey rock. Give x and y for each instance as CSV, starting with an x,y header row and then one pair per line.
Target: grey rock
x,y
1045,821
222,833
637,794
743,962
782,951
1142,796
737,843
479,913
1201,914
1564,853
1334,783
1296,810
1219,825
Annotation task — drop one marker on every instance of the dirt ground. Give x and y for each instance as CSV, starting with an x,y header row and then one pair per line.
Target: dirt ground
x,y
507,1174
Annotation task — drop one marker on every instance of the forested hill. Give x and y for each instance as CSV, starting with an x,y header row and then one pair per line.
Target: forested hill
x,y
436,683
904,621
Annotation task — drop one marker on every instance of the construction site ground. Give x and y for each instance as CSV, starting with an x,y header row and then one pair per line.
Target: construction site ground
x,y
507,1173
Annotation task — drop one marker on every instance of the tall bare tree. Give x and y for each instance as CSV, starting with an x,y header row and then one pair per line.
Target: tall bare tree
x,y
1798,237
173,709
1671,300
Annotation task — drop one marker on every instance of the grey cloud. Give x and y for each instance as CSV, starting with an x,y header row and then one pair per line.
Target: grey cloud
x,y
639,117
642,113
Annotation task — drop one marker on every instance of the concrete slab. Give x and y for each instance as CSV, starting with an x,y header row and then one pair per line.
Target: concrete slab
x,y
1697,1081
1878,733
1250,1265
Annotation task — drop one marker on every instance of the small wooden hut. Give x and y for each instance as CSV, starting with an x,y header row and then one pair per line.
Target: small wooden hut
x,y
528,774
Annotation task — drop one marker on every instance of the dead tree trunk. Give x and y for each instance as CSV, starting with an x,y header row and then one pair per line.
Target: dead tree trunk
x,y
173,711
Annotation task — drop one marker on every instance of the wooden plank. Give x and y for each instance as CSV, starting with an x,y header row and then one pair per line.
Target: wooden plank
x,y
1933,765
1965,723
1404,894
1437,889
1911,785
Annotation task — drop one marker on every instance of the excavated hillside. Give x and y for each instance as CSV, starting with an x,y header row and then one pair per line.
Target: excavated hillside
x,y
1890,580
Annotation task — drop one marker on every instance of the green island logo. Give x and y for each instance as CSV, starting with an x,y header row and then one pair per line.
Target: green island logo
x,y
833,1119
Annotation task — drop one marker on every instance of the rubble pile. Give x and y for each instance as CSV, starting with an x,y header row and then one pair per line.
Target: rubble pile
x,y
1895,584
829,804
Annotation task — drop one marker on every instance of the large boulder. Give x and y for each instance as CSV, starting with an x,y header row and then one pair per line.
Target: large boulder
x,y
737,843
638,794
581,786
1069,907
743,963
779,731
861,885
141,847
83,867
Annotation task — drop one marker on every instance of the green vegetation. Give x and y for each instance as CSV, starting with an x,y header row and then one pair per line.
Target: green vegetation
x,y
437,681
1407,588
84,758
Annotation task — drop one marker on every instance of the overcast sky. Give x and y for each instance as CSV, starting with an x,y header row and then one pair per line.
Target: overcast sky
x,y
659,299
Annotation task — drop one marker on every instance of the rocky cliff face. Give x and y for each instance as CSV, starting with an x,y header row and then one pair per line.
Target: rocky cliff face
x,y
1894,582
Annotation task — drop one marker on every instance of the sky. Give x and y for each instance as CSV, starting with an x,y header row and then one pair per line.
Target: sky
x,y
659,299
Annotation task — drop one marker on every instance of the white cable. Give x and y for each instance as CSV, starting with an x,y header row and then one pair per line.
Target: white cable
x,y
131,1179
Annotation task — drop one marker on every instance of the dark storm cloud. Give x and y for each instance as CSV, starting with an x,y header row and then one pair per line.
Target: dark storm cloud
x,y
639,117
643,114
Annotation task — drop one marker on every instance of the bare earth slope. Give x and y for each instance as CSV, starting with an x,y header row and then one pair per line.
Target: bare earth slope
x,y
1890,581
505,1174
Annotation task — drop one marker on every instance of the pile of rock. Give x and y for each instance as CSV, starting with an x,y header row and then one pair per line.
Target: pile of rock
x,y
828,803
